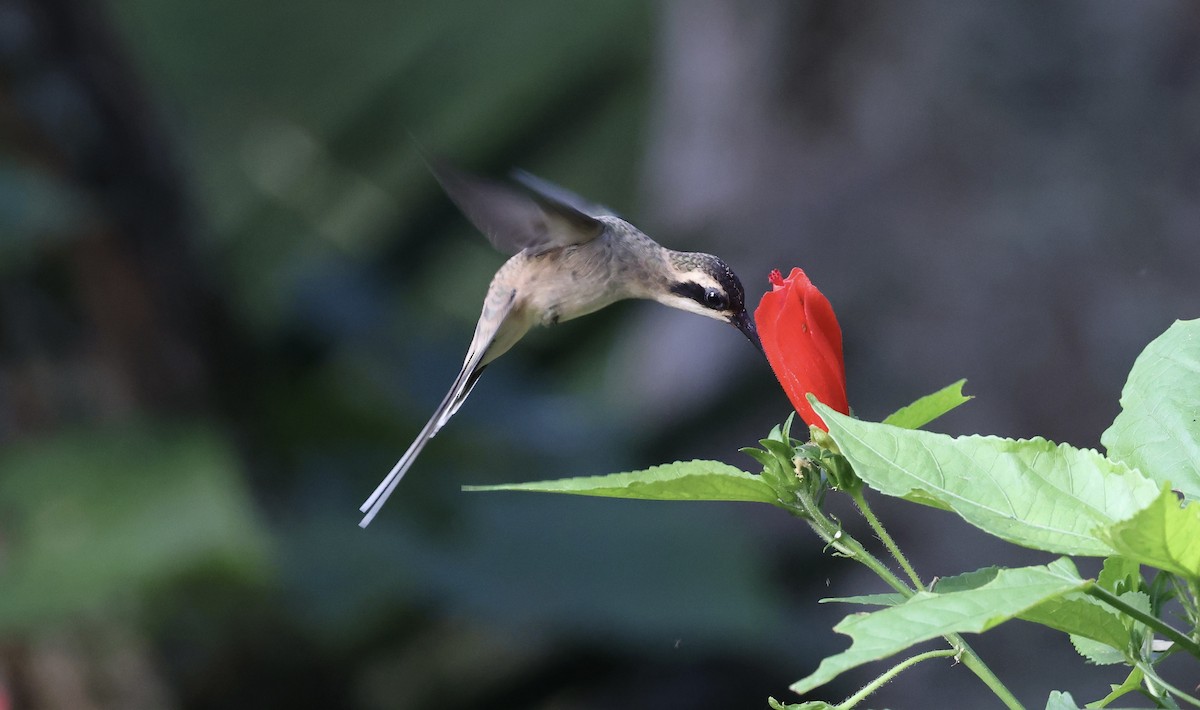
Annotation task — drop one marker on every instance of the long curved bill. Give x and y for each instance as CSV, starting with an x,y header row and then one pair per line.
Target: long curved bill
x,y
744,323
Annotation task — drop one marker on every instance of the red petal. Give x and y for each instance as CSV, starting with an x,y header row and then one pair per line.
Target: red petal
x,y
803,343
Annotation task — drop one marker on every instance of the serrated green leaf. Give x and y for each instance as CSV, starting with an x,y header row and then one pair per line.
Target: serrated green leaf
x,y
1158,429
1071,613
928,615
965,581
1096,653
890,599
1081,615
1060,700
1139,601
929,407
682,480
1162,535
1030,492
1120,574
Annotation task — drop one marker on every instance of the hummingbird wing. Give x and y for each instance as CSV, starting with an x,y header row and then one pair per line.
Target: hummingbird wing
x,y
513,220
485,334
549,191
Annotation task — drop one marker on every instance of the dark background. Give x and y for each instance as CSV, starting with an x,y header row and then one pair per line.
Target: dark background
x,y
230,293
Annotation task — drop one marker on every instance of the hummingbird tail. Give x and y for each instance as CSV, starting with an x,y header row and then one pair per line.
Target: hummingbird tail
x,y
454,398
373,504
463,384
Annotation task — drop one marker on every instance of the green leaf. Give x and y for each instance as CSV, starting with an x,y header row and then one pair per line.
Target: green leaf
x,y
810,705
99,515
780,450
1060,700
1120,574
929,407
1100,654
783,432
929,615
1071,613
1162,535
889,599
1158,429
763,457
1030,492
1132,684
682,480
1083,616
967,580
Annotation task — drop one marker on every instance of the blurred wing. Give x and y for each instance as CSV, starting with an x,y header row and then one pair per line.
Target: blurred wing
x,y
513,220
547,190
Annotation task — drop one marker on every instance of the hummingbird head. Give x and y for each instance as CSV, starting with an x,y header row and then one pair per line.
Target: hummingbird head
x,y
703,284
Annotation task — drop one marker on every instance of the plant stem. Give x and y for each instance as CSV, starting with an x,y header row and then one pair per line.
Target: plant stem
x,y
865,508
833,535
1094,590
1148,671
1189,596
891,673
972,660
1132,683
852,549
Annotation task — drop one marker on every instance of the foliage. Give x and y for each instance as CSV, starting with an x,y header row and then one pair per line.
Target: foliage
x,y
1135,507
1156,431
682,480
91,522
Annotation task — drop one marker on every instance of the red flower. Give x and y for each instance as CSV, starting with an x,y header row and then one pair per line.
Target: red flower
x,y
803,343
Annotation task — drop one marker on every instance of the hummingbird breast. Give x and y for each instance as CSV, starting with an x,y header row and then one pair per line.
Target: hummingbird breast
x,y
570,282
576,280
567,282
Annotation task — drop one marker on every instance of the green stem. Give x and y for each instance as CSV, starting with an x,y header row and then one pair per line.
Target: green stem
x,y
891,673
1148,671
1094,590
851,548
865,508
1132,683
1189,596
833,535
972,660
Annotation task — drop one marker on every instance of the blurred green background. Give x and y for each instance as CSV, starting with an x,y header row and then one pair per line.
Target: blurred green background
x,y
230,293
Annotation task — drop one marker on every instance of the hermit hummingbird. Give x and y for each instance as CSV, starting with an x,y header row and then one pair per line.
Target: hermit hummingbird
x,y
569,258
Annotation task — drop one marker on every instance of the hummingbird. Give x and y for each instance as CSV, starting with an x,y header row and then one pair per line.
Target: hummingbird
x,y
568,258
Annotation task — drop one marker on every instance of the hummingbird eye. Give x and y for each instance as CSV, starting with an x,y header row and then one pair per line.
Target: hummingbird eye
x,y
714,299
